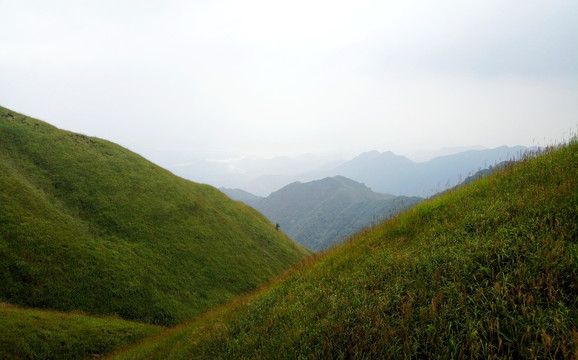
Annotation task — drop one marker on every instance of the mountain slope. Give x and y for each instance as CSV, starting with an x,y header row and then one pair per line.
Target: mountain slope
x,y
43,334
489,270
320,213
242,195
88,225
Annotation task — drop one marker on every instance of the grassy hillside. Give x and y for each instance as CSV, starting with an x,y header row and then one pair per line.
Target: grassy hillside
x,y
318,214
242,195
88,225
489,270
41,334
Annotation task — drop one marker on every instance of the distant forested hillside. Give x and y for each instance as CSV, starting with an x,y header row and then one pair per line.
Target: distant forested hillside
x,y
321,213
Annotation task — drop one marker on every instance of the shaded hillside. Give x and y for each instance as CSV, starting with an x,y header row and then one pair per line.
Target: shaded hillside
x,y
88,225
320,213
488,270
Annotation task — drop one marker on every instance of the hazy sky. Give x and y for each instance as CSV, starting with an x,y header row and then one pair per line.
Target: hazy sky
x,y
263,77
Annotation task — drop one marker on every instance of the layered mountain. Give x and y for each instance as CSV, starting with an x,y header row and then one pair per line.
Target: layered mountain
x,y
258,176
395,174
87,225
486,270
383,172
320,213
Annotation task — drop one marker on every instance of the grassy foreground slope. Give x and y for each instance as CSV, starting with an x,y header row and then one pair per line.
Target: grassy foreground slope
x,y
88,225
489,270
41,334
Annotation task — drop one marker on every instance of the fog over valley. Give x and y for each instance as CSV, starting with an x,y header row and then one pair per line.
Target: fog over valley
x,y
180,82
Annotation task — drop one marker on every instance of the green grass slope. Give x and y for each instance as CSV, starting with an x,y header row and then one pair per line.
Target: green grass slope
x,y
88,225
488,270
41,334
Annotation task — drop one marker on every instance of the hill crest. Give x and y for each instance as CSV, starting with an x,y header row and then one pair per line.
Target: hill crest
x,y
88,225
320,213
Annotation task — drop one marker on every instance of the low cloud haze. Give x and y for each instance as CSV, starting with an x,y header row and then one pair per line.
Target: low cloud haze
x,y
178,80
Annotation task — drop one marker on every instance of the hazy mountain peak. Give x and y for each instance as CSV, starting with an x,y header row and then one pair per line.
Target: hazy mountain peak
x,y
321,212
369,154
426,155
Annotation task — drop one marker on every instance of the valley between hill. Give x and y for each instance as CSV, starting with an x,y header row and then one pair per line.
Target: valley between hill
x,y
322,213
487,270
120,246
88,226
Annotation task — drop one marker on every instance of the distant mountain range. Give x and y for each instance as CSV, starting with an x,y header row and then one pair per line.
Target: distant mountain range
x,y
383,172
391,173
256,175
320,213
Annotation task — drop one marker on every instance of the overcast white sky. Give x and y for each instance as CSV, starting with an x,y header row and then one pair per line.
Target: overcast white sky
x,y
262,77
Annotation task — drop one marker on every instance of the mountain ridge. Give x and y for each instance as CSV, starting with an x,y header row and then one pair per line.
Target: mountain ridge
x,y
321,213
399,175
384,172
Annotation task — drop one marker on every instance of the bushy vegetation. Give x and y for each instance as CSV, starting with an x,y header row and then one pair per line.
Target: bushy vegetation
x,y
88,225
41,334
489,270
